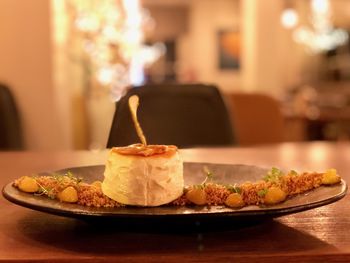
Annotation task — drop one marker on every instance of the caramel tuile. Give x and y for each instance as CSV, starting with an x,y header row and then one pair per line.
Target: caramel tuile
x,y
133,105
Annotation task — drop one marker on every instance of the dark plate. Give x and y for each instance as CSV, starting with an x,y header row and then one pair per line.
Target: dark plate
x,y
193,173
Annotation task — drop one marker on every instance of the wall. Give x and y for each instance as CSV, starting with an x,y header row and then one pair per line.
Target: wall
x,y
26,65
197,49
264,49
265,46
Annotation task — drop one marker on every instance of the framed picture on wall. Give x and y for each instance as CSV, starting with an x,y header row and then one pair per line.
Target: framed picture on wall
x,y
229,49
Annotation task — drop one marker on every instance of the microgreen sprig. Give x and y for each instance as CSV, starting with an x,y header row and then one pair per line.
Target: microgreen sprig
x,y
234,188
45,191
273,176
209,176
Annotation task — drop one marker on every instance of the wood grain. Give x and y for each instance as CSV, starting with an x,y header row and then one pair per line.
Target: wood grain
x,y
319,235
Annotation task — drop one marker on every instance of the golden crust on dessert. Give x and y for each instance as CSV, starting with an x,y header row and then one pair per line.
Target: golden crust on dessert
x,y
146,150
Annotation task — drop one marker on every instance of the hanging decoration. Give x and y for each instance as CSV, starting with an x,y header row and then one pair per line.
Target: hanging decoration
x,y
321,36
112,37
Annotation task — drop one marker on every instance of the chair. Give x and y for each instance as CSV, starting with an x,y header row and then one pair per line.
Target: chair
x,y
183,115
257,118
10,128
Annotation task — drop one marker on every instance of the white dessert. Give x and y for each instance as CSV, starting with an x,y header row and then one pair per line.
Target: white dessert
x,y
143,175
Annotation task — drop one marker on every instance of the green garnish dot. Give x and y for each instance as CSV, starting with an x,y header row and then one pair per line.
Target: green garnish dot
x,y
274,175
293,172
262,192
234,189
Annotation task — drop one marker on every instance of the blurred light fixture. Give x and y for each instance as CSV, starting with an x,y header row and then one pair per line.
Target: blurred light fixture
x,y
321,36
112,37
320,6
289,18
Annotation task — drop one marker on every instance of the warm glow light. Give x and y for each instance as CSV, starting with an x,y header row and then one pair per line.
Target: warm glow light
x,y
136,72
133,13
111,33
318,155
105,75
289,18
87,24
321,36
321,42
320,6
113,36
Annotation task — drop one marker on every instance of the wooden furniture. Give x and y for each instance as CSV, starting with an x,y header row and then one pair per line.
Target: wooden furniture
x,y
319,235
10,122
257,118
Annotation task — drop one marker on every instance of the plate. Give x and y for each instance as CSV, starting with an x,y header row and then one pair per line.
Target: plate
x,y
193,174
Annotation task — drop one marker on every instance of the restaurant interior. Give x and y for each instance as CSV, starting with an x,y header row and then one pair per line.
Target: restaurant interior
x,y
174,130
282,66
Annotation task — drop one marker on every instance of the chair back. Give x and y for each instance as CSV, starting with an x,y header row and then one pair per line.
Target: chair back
x,y
10,128
182,115
257,118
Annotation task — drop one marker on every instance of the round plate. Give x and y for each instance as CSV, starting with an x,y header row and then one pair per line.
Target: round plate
x,y
193,174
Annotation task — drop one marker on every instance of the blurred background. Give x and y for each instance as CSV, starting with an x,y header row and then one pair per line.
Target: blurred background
x,y
66,62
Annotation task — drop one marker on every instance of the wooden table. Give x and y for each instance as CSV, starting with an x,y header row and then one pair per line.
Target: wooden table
x,y
319,235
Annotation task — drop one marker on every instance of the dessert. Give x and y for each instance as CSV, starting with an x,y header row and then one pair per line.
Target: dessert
x,y
143,175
